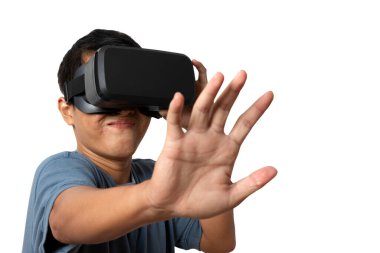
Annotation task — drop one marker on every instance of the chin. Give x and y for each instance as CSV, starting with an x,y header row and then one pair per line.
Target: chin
x,y
120,154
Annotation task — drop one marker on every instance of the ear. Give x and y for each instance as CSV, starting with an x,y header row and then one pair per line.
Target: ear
x,y
67,111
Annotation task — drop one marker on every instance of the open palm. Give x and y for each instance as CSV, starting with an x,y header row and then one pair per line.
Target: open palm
x,y
192,176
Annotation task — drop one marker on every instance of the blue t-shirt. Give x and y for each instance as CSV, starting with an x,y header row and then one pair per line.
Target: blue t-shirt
x,y
68,169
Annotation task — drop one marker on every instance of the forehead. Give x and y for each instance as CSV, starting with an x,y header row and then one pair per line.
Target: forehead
x,y
86,56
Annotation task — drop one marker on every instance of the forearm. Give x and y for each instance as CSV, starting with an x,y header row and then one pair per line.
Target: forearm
x,y
218,233
89,215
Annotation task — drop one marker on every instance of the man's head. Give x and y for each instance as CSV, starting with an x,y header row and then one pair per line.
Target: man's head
x,y
110,136
84,48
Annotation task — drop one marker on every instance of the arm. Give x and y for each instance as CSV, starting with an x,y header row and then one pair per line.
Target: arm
x,y
86,215
218,233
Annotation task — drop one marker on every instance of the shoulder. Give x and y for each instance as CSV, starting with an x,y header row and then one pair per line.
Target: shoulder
x,y
64,157
66,166
65,161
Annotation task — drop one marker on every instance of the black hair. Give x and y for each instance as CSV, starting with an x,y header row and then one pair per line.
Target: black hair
x,y
91,42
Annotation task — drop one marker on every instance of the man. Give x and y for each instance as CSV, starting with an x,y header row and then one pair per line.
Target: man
x,y
99,199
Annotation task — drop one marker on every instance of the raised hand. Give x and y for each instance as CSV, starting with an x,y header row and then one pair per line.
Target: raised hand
x,y
192,176
200,84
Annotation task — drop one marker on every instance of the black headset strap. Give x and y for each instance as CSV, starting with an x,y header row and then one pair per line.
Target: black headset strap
x,y
76,85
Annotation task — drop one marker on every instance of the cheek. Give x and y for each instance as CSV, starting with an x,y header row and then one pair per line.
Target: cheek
x,y
88,130
144,126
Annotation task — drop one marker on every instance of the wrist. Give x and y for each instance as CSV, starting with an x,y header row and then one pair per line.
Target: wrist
x,y
158,211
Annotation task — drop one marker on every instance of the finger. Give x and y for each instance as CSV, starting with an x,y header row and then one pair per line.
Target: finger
x,y
249,118
225,101
202,77
174,114
201,110
250,184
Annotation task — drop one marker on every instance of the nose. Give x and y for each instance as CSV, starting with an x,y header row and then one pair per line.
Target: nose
x,y
129,111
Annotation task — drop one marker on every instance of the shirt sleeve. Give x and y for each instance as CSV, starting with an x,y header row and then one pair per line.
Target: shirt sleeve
x,y
53,177
188,233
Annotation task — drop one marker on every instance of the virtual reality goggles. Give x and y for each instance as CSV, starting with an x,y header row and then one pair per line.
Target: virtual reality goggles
x,y
122,77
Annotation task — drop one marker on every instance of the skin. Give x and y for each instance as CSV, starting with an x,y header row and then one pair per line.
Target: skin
x,y
192,176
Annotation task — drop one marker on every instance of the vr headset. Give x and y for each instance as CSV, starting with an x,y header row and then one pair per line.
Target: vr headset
x,y
123,77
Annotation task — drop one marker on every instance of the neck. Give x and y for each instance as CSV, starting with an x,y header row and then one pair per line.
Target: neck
x,y
118,168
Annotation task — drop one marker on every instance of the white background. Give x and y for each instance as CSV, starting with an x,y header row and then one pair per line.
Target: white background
x,y
321,59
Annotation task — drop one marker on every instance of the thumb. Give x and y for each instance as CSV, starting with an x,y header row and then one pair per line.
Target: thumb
x,y
250,184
